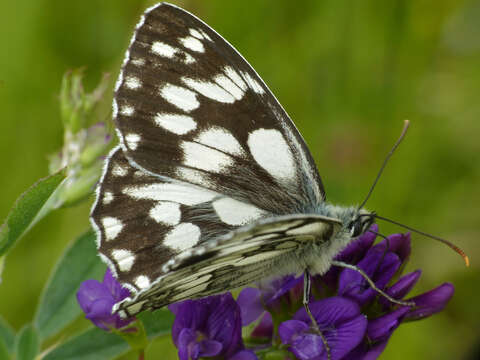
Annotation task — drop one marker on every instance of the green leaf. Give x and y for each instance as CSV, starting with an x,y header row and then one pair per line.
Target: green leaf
x,y
58,304
7,335
97,344
4,353
28,343
28,209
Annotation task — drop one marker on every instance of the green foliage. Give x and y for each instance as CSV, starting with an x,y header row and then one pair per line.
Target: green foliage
x,y
96,344
29,209
58,304
7,336
28,343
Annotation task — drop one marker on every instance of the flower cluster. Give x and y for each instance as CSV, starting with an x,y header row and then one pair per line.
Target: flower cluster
x,y
355,321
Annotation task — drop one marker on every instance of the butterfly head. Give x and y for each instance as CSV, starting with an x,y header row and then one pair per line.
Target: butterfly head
x,y
361,222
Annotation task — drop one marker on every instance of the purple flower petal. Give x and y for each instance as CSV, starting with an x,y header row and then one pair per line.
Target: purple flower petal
x,y
225,323
340,321
214,319
398,244
380,267
250,302
265,327
97,299
290,330
401,288
430,302
382,327
186,340
366,351
244,355
209,348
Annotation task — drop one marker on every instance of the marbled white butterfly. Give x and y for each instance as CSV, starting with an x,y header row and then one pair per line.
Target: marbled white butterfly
x,y
212,187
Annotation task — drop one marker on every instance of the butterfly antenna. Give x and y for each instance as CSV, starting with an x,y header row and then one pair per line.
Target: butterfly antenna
x,y
389,155
446,242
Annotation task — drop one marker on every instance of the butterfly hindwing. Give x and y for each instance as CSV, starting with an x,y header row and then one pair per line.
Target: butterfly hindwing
x,y
188,106
258,250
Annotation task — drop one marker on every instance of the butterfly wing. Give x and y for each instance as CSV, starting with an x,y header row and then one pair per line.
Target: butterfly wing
x,y
188,106
263,249
205,148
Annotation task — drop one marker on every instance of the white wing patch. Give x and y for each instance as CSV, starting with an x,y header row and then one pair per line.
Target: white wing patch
x,y
166,212
182,237
132,83
210,90
271,151
176,123
124,259
142,282
119,171
180,97
163,49
192,43
186,194
221,139
254,84
112,227
234,212
127,110
202,157
132,140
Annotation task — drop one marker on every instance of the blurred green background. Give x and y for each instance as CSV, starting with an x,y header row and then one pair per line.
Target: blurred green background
x,y
347,72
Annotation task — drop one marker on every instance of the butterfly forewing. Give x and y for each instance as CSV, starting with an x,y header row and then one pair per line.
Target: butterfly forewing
x,y
188,106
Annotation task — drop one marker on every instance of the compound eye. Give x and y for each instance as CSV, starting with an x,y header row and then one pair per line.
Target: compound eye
x,y
356,228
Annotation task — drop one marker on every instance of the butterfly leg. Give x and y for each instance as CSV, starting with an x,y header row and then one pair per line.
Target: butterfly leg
x,y
307,285
371,283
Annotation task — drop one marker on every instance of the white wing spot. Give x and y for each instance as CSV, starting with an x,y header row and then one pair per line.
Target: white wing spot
x,y
221,139
193,44
133,83
114,109
193,176
229,86
118,170
138,62
189,59
271,151
176,123
142,282
112,227
107,198
127,110
182,237
166,212
210,90
254,84
234,212
196,33
235,77
202,157
186,194
182,98
205,35
124,259
132,141
163,49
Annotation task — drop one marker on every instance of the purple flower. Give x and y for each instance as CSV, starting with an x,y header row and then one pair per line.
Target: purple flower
x,y
340,321
209,327
97,299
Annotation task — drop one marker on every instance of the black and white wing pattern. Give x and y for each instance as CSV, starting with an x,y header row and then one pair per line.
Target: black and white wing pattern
x,y
206,155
